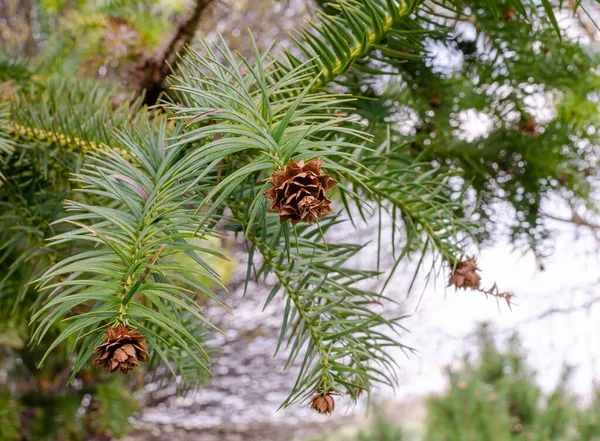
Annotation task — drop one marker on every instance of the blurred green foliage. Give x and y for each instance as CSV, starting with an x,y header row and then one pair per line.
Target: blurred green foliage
x,y
495,396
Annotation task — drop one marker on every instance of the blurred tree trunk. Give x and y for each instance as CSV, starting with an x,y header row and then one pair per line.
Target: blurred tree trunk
x,y
152,72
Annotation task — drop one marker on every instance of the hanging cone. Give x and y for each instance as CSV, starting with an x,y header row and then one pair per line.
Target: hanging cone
x,y
465,274
123,349
323,403
298,192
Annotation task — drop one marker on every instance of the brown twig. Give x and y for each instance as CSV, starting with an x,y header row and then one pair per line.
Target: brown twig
x,y
575,219
465,276
494,291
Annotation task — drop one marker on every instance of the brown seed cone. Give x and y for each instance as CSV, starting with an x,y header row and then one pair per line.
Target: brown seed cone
x,y
529,126
123,349
465,274
298,192
510,14
323,403
435,101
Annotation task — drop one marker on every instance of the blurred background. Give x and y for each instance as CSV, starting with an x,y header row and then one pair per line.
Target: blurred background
x,y
481,370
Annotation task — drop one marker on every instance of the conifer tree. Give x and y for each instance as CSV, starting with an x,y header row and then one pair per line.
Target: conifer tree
x,y
101,196
496,397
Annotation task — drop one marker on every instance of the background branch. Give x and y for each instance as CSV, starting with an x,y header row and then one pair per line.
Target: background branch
x,y
153,71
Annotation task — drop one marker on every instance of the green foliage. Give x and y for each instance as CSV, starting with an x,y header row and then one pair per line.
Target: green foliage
x,y
588,428
13,68
10,418
114,406
262,119
496,398
382,430
49,128
150,221
504,67
46,415
353,31
89,36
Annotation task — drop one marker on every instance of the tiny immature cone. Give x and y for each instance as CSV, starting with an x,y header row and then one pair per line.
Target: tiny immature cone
x,y
357,389
465,274
510,14
529,126
323,403
298,192
123,349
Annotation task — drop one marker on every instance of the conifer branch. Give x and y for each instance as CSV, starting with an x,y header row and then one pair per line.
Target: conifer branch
x,y
141,237
334,45
304,314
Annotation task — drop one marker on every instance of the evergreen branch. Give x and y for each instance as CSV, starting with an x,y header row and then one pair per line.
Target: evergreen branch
x,y
328,319
378,27
21,132
70,116
144,234
250,121
153,193
270,259
334,45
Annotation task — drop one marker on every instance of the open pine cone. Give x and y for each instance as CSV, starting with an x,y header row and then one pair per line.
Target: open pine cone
x,y
298,192
465,274
323,403
122,350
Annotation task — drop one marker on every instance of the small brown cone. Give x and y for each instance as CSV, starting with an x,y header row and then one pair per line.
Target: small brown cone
x,y
323,403
298,192
465,274
510,14
529,126
123,349
435,101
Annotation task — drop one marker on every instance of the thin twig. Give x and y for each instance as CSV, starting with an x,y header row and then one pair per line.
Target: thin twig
x,y
494,291
569,310
575,219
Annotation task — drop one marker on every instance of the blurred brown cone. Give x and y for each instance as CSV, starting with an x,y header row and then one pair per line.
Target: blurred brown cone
x,y
123,349
323,403
529,126
298,192
510,14
465,274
